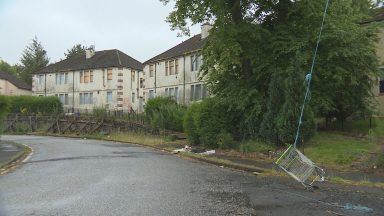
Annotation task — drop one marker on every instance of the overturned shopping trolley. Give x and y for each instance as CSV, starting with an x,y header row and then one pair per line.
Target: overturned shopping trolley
x,y
301,168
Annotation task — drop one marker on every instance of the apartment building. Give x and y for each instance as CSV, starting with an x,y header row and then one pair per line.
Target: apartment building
x,y
175,72
11,85
108,78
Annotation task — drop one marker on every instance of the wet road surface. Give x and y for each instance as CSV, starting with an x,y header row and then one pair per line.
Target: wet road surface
x,y
67,176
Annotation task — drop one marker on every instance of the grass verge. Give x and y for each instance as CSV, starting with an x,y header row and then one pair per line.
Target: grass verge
x,y
338,151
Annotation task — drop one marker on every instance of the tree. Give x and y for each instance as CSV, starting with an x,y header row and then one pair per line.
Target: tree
x,y
34,58
76,50
288,117
251,39
275,100
12,69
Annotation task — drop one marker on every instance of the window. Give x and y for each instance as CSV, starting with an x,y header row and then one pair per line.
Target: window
x,y
109,96
86,76
176,95
133,97
133,75
171,67
196,62
198,92
41,79
151,94
61,78
63,98
166,68
86,98
176,66
81,77
192,98
109,74
90,76
171,92
151,71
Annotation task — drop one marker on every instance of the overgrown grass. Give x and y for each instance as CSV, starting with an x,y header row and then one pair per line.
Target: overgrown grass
x,y
251,146
143,139
338,150
339,180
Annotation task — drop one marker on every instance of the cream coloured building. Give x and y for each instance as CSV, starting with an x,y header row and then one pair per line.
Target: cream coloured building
x,y
108,78
175,72
10,85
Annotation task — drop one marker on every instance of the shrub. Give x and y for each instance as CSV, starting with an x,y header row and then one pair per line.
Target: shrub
x,y
210,122
164,112
225,140
34,105
4,109
189,124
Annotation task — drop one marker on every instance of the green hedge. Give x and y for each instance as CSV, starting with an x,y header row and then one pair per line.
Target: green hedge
x,y
35,105
4,109
211,123
164,112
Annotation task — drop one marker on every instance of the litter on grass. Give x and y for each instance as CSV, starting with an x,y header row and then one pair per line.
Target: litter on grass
x,y
185,149
209,152
196,151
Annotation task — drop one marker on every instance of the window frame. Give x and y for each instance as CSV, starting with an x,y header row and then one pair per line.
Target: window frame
x,y
109,97
151,70
151,94
81,76
109,74
166,68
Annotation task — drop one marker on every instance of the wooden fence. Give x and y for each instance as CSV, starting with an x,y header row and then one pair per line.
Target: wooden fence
x,y
82,124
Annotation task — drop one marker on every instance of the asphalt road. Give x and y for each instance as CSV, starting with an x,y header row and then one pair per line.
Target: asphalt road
x,y
87,177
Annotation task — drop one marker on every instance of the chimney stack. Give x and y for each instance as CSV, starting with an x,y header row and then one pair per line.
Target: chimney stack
x,y
205,28
90,52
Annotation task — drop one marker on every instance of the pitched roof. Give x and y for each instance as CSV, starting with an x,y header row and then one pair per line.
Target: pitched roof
x,y
16,82
192,44
101,59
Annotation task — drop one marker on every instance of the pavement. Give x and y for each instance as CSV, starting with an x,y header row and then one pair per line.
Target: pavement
x,y
67,176
8,152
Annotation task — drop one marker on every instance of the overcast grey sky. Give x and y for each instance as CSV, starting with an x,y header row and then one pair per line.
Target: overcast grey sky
x,y
136,27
